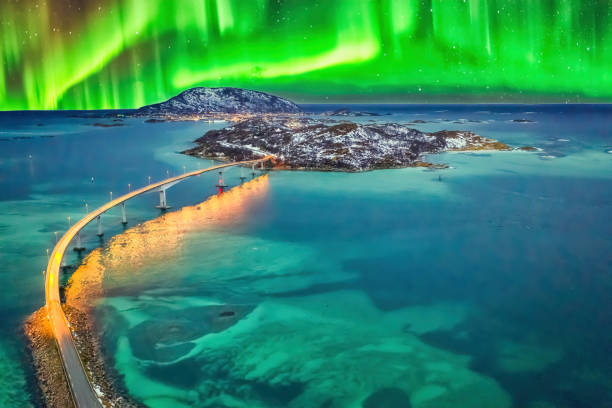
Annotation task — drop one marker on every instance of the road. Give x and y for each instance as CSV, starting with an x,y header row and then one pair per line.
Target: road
x,y
81,388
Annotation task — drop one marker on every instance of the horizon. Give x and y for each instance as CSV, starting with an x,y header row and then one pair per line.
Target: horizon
x,y
347,103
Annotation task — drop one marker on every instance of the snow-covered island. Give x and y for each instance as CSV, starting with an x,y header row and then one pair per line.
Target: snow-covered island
x,y
307,143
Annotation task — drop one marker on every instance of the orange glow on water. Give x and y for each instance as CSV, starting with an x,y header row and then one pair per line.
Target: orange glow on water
x,y
160,239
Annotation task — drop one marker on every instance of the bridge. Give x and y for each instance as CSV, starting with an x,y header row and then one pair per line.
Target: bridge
x,y
81,388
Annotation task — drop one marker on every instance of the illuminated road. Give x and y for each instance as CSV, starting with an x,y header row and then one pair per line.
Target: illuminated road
x,y
80,386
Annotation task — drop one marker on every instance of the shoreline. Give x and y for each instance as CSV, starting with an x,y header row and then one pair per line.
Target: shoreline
x,y
52,389
314,145
417,164
51,384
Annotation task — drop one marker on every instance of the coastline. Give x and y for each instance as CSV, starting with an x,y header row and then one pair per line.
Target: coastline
x,y
313,144
51,381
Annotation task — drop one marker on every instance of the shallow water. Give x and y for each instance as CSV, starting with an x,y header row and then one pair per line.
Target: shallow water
x,y
47,161
486,284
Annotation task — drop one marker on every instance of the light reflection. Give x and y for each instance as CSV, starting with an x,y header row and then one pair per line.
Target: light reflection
x,y
160,239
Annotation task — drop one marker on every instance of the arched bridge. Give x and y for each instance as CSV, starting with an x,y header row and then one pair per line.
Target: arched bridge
x,y
81,388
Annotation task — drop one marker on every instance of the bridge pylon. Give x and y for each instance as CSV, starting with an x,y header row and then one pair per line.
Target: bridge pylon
x,y
78,244
100,232
123,215
163,205
220,184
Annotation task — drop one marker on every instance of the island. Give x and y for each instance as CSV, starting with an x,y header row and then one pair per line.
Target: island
x,y
314,144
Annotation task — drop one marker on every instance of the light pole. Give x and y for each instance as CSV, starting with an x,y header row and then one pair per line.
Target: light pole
x,y
111,196
129,187
55,232
86,209
68,221
149,179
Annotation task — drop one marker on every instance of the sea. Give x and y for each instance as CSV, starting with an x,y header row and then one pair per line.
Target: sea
x,y
486,284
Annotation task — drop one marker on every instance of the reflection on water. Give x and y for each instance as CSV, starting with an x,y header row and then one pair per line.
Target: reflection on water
x,y
159,240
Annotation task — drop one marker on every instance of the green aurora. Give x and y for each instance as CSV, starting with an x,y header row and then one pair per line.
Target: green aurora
x,y
70,54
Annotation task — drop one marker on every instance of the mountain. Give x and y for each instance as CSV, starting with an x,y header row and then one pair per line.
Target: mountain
x,y
306,143
220,100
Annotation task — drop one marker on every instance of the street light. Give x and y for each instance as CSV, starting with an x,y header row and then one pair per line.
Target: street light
x,y
129,187
149,179
86,209
55,232
111,196
68,221
184,169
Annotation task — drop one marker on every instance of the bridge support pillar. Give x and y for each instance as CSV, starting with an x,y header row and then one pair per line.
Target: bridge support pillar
x,y
123,216
100,232
162,200
221,185
78,244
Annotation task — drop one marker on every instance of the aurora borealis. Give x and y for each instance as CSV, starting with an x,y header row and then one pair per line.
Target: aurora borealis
x,y
67,54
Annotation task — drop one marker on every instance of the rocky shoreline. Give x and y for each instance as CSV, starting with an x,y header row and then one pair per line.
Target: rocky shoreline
x,y
52,384
313,144
83,288
105,377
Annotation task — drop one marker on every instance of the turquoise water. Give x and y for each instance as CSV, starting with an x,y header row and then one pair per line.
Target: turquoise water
x,y
483,285
47,160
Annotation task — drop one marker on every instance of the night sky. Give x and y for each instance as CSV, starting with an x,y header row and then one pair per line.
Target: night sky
x,y
95,54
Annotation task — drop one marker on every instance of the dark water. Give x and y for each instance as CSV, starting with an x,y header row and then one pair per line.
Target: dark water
x,y
483,285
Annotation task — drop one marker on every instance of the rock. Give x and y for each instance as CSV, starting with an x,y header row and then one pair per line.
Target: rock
x,y
527,148
306,143
522,121
220,100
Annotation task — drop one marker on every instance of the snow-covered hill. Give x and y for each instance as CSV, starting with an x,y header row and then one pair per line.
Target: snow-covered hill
x,y
305,143
220,100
